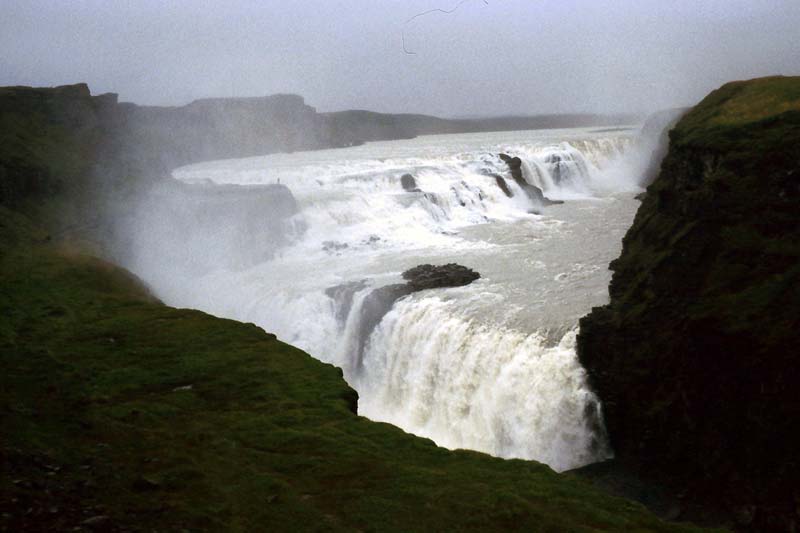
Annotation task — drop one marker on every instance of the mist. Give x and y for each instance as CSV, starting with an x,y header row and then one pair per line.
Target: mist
x,y
498,57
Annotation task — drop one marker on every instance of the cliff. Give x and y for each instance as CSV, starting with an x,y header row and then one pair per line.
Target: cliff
x,y
696,358
49,140
162,138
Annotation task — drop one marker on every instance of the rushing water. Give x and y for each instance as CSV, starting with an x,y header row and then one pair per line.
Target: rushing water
x,y
490,366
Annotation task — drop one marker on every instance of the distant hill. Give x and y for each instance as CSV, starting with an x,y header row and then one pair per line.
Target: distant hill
x,y
351,127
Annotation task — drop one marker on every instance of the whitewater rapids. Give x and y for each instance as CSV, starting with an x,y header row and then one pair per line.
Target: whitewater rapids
x,y
490,366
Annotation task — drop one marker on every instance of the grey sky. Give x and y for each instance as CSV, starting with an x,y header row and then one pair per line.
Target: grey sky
x,y
507,57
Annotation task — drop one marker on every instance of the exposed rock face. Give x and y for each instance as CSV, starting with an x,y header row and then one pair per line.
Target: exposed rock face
x,y
433,277
159,139
514,165
342,296
697,357
408,183
374,307
532,191
501,182
422,277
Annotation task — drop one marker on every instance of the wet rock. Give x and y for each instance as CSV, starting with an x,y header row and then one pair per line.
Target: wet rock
x,y
373,309
501,182
515,166
408,183
422,277
557,167
431,277
342,296
532,191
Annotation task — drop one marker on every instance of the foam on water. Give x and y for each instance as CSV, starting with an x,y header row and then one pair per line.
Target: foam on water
x,y
490,366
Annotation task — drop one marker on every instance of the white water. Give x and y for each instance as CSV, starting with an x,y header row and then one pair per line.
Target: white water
x,y
490,366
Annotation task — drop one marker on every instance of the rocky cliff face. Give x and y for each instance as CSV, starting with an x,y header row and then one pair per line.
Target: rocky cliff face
x,y
697,357
159,139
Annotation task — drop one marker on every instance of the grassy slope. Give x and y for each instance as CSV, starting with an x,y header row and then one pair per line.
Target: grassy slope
x,y
743,102
116,406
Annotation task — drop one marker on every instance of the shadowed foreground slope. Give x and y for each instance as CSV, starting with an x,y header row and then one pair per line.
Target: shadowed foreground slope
x,y
120,413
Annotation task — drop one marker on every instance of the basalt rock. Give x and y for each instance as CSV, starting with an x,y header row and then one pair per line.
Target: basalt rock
x,y
342,296
422,277
408,183
514,165
696,356
432,277
501,182
532,191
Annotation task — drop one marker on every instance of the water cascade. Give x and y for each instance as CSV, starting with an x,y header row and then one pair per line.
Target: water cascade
x,y
489,366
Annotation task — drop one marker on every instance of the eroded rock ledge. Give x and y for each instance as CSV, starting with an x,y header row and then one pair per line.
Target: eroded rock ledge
x,y
380,301
533,192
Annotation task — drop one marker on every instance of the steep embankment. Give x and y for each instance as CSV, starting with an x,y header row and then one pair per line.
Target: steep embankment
x,y
696,356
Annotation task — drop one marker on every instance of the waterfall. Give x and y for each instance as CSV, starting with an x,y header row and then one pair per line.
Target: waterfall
x,y
470,385
490,366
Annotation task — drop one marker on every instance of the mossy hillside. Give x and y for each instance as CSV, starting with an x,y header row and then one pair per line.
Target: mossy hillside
x,y
743,102
135,416
695,358
48,139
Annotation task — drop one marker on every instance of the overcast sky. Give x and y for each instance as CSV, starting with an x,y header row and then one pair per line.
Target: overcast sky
x,y
488,57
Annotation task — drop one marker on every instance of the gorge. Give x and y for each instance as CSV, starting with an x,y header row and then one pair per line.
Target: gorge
x,y
702,307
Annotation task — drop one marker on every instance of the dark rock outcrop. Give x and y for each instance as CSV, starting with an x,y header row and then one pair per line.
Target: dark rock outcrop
x,y
501,182
422,277
532,191
696,358
408,183
434,277
514,165
342,296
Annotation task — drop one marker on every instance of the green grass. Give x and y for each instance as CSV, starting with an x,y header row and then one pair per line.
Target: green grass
x,y
115,405
739,111
743,102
